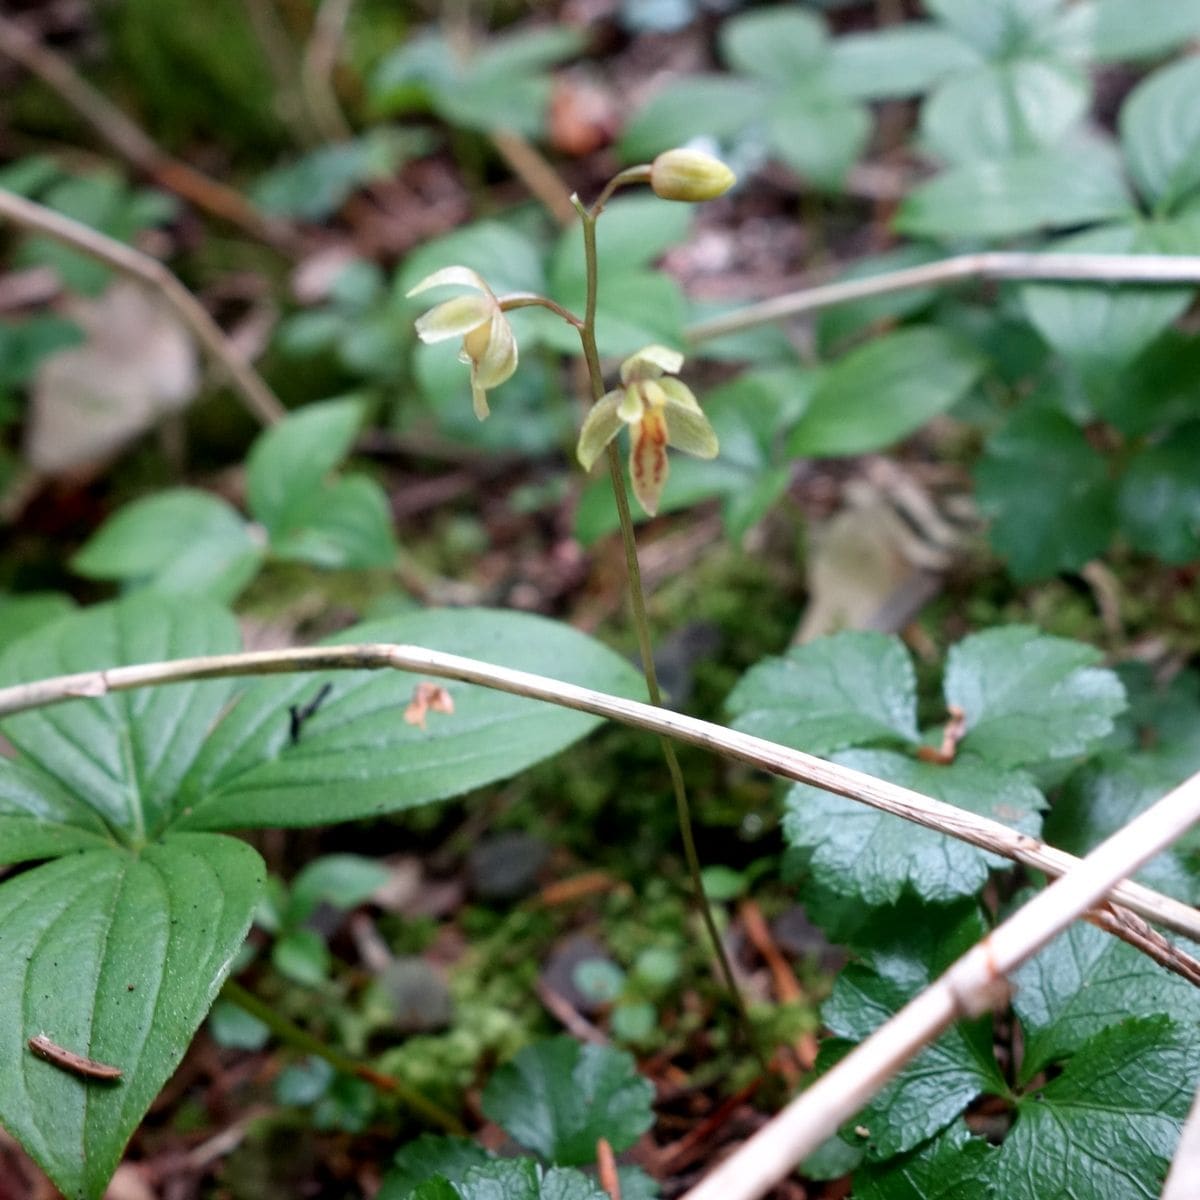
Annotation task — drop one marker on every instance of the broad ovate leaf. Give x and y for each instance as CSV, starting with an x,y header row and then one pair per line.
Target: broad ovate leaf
x,y
356,756
116,956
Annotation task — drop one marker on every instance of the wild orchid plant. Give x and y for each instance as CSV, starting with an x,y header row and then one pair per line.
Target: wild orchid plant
x,y
658,409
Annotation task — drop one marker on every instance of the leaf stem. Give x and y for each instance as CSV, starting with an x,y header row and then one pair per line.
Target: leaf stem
x,y
302,1040
637,599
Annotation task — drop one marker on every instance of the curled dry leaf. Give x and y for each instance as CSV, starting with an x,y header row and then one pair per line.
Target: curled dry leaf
x,y
427,697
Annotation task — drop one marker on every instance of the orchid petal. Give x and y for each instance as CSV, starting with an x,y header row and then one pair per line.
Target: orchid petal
x,y
650,362
632,407
601,425
454,318
498,362
679,393
688,430
462,276
648,464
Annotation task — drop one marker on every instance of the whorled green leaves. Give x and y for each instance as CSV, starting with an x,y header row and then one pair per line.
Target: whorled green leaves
x,y
117,947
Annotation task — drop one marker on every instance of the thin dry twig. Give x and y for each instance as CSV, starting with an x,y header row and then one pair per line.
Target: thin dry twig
x,y
976,983
1185,1168
526,162
1159,269
317,68
132,143
742,747
259,398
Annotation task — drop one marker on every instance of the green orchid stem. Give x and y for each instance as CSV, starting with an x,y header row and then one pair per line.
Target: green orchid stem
x,y
637,598
293,1035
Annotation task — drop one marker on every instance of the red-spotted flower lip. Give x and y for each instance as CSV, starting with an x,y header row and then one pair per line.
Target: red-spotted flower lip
x,y
659,410
488,344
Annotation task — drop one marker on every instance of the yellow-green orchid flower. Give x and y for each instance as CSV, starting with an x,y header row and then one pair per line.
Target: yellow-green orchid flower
x,y
660,412
487,338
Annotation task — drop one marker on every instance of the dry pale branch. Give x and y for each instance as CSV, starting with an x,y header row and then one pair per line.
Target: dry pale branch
x,y
742,747
1185,1169
131,142
36,218
1160,269
972,986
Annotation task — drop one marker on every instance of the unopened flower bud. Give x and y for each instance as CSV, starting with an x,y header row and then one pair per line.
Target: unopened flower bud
x,y
689,175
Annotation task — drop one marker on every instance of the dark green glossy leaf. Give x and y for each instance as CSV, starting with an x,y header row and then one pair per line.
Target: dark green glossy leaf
x,y
357,756
1028,697
427,1156
124,755
909,946
558,1097
117,957
1084,982
1108,1125
1159,390
1159,499
839,691
181,541
884,391
513,1179
40,819
1041,463
856,850
954,1166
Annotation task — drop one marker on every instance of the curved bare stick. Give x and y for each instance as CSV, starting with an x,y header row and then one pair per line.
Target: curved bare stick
x,y
259,398
1162,269
743,747
973,985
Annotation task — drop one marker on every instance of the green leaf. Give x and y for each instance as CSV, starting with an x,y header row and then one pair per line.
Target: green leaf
x,y
774,44
837,692
999,28
1084,982
1108,1125
1050,189
23,614
909,947
522,52
891,64
40,819
634,231
345,524
558,1097
315,186
1106,795
816,132
634,309
509,260
357,756
954,1166
1004,109
1128,29
303,957
513,1179
23,344
856,850
1160,132
1159,498
1041,463
181,541
883,391
427,1156
290,462
1030,698
1100,329
343,880
118,957
711,105
123,755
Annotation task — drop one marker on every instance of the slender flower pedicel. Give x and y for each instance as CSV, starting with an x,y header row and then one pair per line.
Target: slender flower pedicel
x,y
487,338
660,411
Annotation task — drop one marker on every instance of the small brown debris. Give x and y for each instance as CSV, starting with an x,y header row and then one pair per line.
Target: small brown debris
x,y
427,697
